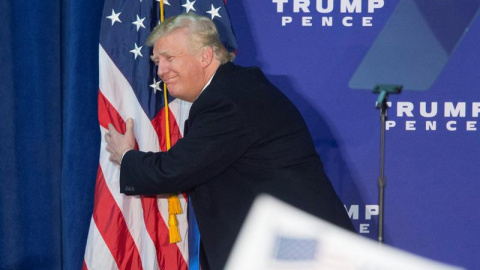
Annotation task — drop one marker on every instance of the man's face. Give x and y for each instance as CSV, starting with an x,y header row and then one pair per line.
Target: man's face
x,y
179,65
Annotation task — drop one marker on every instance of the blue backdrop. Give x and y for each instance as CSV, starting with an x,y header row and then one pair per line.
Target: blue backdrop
x,y
49,134
432,175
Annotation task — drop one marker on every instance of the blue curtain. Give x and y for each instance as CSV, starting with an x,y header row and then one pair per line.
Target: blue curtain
x,y
49,135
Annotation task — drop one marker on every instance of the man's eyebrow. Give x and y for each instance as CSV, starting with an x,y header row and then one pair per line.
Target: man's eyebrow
x,y
160,53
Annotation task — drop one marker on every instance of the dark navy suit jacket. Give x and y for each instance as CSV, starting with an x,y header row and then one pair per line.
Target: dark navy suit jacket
x,y
243,137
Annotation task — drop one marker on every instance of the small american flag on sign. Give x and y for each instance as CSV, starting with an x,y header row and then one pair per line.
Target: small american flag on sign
x,y
295,249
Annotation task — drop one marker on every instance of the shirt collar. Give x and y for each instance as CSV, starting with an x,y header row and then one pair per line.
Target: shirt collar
x,y
206,85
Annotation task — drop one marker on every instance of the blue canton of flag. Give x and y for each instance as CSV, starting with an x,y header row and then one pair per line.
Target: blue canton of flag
x,y
123,39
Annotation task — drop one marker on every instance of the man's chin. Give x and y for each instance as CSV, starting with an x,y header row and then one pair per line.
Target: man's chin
x,y
172,91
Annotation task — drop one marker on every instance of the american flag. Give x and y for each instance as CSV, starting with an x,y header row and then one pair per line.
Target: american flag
x,y
131,232
295,249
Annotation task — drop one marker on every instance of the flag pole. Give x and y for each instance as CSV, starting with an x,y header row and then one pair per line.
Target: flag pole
x,y
174,207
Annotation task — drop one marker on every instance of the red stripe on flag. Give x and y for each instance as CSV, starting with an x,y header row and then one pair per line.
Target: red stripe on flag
x,y
168,255
156,227
108,114
113,228
159,125
84,266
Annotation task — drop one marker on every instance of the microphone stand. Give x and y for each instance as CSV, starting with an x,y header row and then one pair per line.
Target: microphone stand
x,y
383,90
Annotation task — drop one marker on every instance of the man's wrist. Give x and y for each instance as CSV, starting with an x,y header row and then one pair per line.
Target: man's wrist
x,y
121,159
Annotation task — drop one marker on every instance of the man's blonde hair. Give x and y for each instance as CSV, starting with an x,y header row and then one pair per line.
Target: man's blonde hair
x,y
201,31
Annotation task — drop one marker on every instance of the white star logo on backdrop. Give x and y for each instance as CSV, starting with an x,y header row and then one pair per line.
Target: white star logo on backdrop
x,y
115,17
136,51
139,23
189,6
156,85
214,12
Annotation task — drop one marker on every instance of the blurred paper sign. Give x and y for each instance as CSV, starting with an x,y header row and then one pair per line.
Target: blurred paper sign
x,y
278,236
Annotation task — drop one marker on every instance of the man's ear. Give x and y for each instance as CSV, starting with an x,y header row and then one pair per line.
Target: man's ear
x,y
207,56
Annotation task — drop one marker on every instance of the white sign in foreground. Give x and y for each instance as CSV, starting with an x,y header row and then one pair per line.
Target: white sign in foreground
x,y
278,236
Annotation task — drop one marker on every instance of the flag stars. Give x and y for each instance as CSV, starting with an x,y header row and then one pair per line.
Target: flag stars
x,y
115,17
156,85
139,23
136,51
189,6
214,12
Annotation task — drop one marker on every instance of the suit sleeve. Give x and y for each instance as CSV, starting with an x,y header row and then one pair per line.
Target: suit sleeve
x,y
218,136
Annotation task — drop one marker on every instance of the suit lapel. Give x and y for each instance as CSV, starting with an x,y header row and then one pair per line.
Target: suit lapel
x,y
186,125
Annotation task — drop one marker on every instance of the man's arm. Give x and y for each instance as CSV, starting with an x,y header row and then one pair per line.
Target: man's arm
x,y
217,137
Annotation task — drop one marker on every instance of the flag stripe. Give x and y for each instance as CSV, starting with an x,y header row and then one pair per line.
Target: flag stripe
x,y
98,256
131,207
131,210
158,231
144,129
159,122
134,206
113,228
180,109
109,114
162,205
120,94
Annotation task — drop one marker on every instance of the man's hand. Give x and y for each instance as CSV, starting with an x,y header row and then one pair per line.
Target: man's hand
x,y
119,144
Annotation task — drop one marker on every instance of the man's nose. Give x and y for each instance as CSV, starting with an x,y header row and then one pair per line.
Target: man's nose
x,y
162,69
